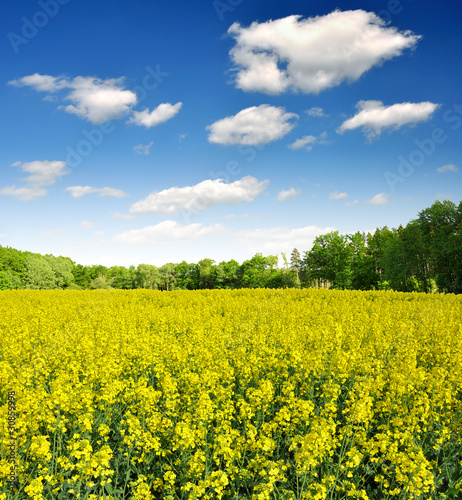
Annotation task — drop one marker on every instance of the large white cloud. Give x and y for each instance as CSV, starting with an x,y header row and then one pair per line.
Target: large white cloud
x,y
93,99
41,173
80,191
161,114
168,231
251,126
313,54
373,116
200,196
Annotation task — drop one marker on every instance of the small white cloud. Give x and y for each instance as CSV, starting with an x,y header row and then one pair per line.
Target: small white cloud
x,y
182,137
80,191
313,54
338,196
443,196
307,141
161,114
41,83
252,126
351,203
168,231
379,199
450,167
23,193
143,149
316,112
93,99
289,193
41,173
303,143
373,116
85,224
202,196
230,216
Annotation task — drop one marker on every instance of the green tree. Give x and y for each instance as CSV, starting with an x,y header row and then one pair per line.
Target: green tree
x,y
376,244
441,229
168,277
38,274
62,268
255,273
101,283
205,269
329,261
147,276
122,278
5,283
295,265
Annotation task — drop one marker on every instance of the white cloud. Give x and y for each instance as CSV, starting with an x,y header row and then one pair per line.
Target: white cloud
x,y
351,203
313,54
86,224
373,116
23,193
143,149
168,231
42,173
289,193
379,199
204,195
307,141
280,238
93,99
338,196
304,141
41,83
450,167
80,191
443,196
161,114
317,112
251,126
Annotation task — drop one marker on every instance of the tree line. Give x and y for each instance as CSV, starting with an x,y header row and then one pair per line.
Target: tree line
x,y
423,256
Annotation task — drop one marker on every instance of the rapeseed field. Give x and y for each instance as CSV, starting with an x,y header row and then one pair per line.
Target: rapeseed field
x,y
230,394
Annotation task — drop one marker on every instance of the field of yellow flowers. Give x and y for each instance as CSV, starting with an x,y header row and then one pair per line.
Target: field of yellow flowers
x,y
230,394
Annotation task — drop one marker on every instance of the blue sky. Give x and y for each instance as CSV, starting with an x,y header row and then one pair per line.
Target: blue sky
x,y
154,132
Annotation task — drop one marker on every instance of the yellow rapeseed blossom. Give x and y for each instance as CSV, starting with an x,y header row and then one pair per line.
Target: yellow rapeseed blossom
x,y
255,394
